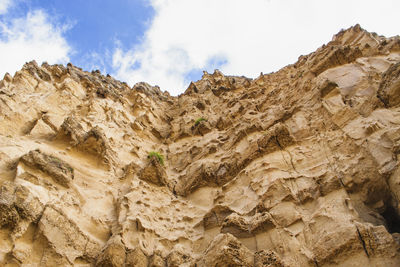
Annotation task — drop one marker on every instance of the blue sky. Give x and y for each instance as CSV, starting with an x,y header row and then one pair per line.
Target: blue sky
x,y
92,27
96,26
170,42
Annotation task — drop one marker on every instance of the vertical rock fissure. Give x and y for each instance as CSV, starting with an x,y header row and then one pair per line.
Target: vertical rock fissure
x,y
362,242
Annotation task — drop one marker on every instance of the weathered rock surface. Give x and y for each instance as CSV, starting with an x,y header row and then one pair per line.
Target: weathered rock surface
x,y
295,168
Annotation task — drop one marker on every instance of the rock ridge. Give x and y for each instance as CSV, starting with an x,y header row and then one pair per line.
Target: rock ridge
x,y
299,167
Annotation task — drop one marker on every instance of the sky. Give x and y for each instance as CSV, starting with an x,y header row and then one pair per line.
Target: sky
x,y
170,42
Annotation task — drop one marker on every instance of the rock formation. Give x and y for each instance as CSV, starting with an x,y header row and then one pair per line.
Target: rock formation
x,y
294,168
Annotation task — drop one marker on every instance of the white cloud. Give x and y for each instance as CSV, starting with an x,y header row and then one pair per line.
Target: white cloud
x,y
94,61
251,36
4,6
33,37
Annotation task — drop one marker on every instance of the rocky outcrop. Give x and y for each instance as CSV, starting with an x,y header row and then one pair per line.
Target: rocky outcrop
x,y
226,250
299,167
389,89
60,171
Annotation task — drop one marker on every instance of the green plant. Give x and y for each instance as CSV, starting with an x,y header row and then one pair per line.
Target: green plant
x,y
157,155
196,122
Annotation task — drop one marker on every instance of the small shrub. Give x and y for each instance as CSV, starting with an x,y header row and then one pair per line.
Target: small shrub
x,y
159,157
199,120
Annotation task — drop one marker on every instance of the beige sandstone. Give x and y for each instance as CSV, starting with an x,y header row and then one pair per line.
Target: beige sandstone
x,y
299,167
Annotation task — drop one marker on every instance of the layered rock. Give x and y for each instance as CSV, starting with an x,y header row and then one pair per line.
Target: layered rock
x,y
295,168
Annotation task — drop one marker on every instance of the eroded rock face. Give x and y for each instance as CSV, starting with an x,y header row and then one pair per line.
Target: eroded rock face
x,y
225,250
114,254
59,170
295,168
389,89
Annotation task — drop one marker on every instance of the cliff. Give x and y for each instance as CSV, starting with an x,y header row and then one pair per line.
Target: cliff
x,y
294,168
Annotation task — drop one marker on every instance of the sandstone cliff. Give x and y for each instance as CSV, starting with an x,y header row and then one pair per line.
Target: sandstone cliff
x,y
295,168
